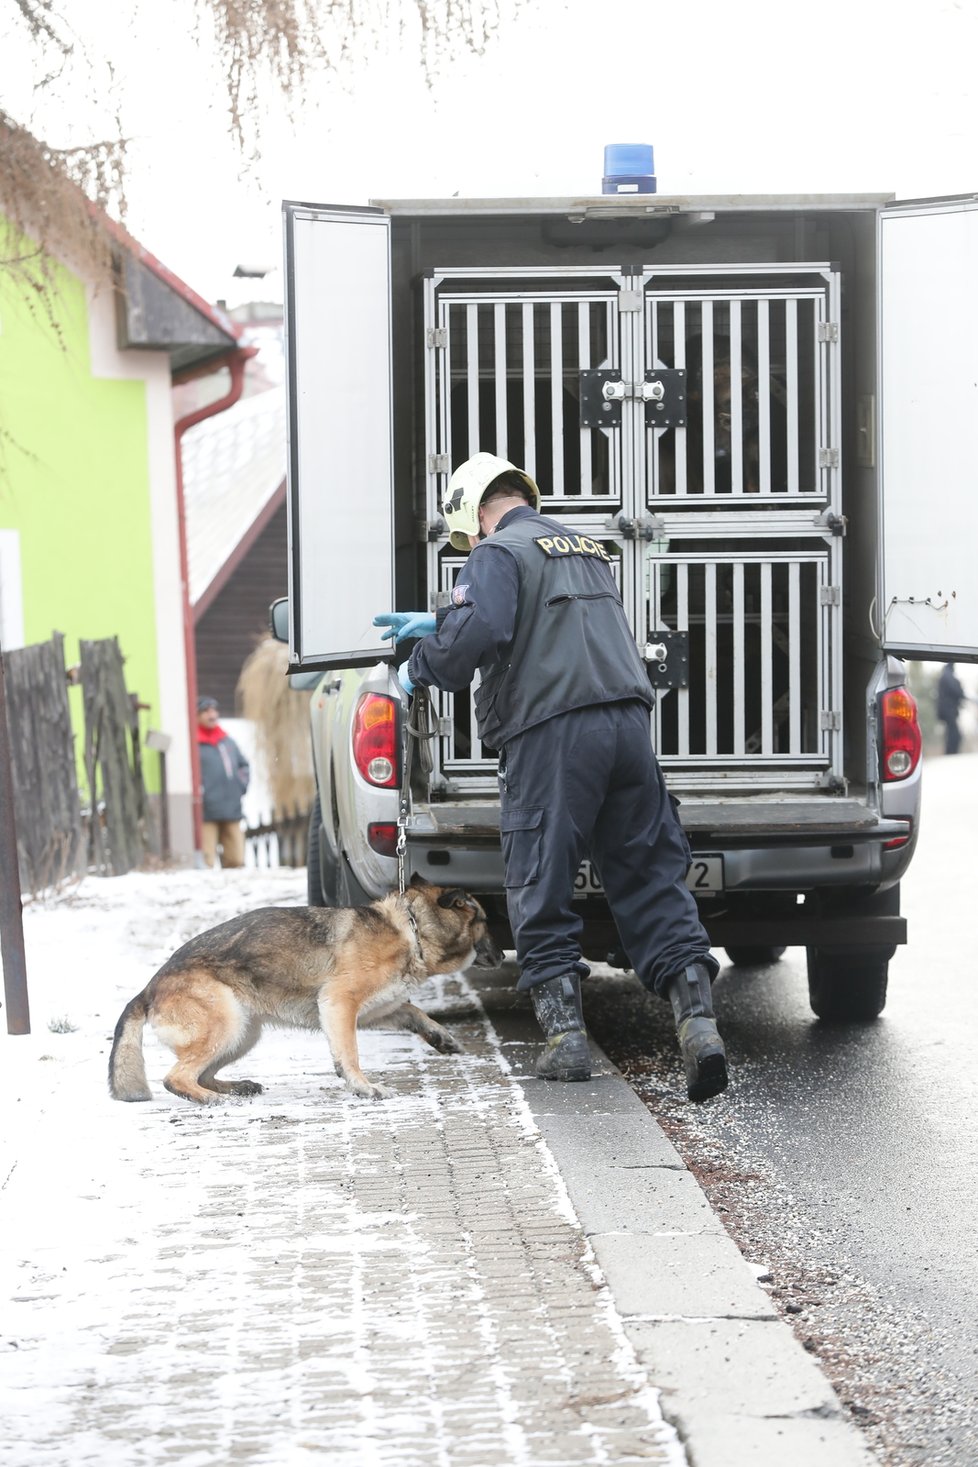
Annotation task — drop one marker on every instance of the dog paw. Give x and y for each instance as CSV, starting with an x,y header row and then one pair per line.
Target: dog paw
x,y
246,1087
445,1043
367,1091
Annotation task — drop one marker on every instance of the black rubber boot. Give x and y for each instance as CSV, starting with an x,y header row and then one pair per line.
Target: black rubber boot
x,y
557,1005
702,1048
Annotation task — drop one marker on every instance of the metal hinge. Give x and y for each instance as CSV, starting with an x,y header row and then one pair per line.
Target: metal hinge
x,y
430,530
630,300
830,595
830,720
828,458
437,337
439,463
828,331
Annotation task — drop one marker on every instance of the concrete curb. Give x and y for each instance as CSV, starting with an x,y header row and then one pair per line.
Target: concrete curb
x,y
735,1382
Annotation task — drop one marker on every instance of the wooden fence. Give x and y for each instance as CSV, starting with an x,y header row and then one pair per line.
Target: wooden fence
x,y
58,838
280,840
61,834
47,807
113,761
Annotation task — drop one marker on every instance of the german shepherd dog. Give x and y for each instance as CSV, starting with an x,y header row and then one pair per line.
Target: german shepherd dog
x,y
304,968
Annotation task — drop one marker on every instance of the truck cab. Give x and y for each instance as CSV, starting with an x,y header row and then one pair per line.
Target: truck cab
x,y
762,409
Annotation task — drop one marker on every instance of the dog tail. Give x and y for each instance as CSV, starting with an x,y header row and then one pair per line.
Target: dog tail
x,y
127,1072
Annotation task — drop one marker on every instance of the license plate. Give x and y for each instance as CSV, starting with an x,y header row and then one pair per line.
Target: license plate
x,y
704,877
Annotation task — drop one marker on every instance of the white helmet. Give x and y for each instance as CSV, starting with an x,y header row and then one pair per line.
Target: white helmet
x,y
465,490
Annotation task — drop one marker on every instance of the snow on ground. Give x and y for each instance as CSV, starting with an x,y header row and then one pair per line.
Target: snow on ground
x,y
295,1278
93,947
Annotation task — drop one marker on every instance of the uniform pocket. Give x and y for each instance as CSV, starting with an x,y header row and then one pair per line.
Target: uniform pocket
x,y
521,831
486,693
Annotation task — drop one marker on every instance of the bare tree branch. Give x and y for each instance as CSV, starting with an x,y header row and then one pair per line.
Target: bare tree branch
x,y
258,46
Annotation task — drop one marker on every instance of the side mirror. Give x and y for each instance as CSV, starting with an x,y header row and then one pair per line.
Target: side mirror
x,y
278,619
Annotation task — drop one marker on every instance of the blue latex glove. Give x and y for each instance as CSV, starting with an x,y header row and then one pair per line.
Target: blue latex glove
x,y
404,680
403,624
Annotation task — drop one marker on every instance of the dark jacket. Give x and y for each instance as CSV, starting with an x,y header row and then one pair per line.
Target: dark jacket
x,y
224,775
537,611
950,694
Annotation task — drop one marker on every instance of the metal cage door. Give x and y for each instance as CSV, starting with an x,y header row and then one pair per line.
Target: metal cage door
x,y
506,354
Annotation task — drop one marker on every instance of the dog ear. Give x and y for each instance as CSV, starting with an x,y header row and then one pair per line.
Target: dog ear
x,y
418,881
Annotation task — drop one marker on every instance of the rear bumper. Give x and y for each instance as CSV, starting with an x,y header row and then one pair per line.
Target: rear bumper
x,y
803,931
784,846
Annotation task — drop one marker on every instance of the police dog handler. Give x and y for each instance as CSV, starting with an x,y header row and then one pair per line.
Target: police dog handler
x,y
565,699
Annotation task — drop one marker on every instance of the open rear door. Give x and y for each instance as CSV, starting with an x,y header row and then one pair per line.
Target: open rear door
x,y
340,469
928,323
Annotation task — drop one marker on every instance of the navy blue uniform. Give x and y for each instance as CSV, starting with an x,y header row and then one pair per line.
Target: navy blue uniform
x,y
565,698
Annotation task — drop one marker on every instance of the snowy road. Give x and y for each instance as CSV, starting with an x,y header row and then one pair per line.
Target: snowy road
x,y
844,1159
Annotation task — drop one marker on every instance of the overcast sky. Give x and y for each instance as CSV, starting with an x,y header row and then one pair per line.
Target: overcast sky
x,y
761,96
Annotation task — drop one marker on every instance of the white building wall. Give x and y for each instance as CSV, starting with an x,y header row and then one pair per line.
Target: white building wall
x,y
153,368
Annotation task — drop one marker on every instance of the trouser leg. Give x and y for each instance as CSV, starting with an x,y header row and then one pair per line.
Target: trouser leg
x,y
642,856
232,843
551,784
208,842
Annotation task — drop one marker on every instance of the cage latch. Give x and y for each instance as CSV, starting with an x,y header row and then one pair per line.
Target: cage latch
x,y
603,390
637,527
666,656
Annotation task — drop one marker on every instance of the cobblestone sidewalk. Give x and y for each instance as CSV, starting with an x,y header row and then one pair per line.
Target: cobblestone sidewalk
x,y
306,1277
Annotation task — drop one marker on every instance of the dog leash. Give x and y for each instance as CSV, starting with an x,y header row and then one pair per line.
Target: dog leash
x,y
419,735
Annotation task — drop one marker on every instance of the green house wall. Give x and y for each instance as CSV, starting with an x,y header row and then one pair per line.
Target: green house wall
x,y
74,481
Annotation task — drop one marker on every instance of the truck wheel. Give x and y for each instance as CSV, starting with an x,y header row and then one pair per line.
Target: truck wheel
x,y
329,883
314,878
754,957
847,986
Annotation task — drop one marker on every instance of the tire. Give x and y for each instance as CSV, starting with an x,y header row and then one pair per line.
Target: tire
x,y
314,875
846,986
329,883
754,957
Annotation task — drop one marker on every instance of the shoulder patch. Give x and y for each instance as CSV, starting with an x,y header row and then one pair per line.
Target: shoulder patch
x,y
571,545
460,595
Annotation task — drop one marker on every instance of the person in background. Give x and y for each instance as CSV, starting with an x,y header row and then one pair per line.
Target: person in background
x,y
950,696
565,698
224,775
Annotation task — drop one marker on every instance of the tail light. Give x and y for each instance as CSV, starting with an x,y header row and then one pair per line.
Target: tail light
x,y
901,742
898,840
375,739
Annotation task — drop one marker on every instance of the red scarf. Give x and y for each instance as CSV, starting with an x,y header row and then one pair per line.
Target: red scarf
x,y
210,735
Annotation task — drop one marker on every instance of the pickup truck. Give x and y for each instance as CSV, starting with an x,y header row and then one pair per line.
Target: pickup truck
x,y
763,408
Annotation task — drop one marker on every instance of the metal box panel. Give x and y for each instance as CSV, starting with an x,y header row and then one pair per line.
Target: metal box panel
x,y
340,462
928,265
